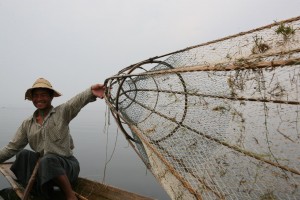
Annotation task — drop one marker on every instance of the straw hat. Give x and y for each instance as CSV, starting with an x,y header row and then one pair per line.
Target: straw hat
x,y
40,83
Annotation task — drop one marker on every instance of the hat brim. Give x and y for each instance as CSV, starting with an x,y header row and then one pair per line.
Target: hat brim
x,y
28,93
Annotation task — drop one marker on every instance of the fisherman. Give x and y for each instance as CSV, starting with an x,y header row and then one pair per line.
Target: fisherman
x,y
47,132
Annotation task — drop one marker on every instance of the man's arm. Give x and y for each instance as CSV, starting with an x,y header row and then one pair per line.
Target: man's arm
x,y
18,142
74,105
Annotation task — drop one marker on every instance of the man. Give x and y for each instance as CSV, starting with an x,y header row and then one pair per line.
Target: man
x,y
47,133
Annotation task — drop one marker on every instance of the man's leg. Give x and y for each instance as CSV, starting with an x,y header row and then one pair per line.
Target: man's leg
x,y
64,184
58,171
24,165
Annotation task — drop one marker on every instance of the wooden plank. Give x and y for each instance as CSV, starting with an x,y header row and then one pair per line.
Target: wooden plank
x,y
11,178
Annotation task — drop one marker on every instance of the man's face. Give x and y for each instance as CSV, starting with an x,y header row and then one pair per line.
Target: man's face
x,y
41,98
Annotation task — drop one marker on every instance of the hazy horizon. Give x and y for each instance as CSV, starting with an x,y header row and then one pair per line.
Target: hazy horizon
x,y
76,43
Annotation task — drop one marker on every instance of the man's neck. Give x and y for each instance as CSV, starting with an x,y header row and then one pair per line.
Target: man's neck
x,y
41,115
44,112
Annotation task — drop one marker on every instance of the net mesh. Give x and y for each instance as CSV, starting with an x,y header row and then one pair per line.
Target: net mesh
x,y
222,117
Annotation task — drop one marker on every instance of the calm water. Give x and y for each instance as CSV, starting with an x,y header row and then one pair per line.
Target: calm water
x,y
92,148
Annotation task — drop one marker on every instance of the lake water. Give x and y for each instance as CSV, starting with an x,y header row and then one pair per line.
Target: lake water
x,y
93,147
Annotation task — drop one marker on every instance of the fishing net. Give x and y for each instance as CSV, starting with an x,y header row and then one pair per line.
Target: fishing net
x,y
218,120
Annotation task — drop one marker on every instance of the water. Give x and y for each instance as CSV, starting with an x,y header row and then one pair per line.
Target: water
x,y
93,147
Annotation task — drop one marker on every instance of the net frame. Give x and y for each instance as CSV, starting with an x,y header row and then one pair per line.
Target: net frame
x,y
211,163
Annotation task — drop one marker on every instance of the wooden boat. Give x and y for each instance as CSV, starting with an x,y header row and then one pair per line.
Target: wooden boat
x,y
84,189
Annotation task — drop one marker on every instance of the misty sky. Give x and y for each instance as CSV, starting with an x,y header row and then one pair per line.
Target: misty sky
x,y
75,43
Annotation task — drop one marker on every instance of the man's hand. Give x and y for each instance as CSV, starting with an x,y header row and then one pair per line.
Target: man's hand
x,y
98,90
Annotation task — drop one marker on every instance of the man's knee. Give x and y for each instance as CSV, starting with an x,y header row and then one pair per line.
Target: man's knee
x,y
50,159
24,153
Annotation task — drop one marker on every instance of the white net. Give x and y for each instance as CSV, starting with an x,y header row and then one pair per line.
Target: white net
x,y
221,118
